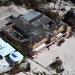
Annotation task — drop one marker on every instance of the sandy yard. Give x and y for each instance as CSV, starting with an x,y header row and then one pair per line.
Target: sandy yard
x,y
66,52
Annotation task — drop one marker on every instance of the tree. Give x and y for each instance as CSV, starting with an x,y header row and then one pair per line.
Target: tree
x,y
17,2
49,0
18,68
52,15
70,18
71,22
5,2
57,65
68,15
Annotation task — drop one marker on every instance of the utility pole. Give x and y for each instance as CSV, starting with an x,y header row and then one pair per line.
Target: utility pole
x,y
55,3
59,6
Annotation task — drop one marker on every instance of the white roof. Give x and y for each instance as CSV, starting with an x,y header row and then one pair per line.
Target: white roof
x,y
40,47
3,23
5,48
16,56
2,43
59,35
4,15
4,64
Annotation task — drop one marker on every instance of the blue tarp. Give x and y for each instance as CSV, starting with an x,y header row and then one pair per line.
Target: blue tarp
x,y
31,15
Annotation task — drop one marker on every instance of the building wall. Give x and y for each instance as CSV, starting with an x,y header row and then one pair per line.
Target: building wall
x,y
9,36
39,43
12,38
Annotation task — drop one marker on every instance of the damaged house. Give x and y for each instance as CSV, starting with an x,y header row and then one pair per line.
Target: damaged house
x,y
34,30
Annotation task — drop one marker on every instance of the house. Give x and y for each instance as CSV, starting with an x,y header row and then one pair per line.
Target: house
x,y
8,56
5,21
8,13
35,18
15,33
38,30
16,56
6,51
5,48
